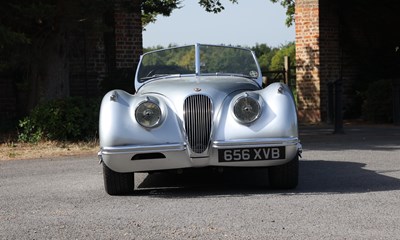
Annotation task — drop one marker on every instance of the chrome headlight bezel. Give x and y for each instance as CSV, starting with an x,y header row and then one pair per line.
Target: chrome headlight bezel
x,y
247,108
148,113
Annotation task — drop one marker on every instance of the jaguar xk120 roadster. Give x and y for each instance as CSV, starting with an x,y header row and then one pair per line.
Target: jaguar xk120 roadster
x,y
198,106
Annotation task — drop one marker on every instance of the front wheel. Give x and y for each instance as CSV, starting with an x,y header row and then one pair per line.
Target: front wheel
x,y
284,176
116,183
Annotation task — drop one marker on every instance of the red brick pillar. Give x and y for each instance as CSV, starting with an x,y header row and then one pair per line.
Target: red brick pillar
x,y
128,33
308,60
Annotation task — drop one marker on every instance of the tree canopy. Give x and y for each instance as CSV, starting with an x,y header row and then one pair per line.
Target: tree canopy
x,y
27,23
36,36
152,8
269,58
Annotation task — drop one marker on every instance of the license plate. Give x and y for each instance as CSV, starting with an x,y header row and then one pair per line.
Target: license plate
x,y
251,154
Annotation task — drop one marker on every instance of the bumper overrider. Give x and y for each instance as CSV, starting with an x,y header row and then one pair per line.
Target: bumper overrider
x,y
235,153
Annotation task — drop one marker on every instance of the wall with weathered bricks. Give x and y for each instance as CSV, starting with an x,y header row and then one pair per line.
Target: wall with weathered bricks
x,y
108,60
308,60
87,63
128,44
97,60
128,34
321,57
330,51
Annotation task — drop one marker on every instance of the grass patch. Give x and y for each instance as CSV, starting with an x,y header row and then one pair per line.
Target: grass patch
x,y
12,150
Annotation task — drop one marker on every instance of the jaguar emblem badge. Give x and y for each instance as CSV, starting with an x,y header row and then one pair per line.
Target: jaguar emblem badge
x,y
197,89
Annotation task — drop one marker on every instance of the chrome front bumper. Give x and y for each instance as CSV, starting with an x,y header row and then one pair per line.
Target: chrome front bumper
x,y
142,149
257,142
177,155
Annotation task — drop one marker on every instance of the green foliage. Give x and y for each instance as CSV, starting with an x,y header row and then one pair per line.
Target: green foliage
x,y
277,60
29,27
272,58
152,8
149,49
31,132
182,60
214,6
215,59
269,58
264,54
62,119
378,105
22,22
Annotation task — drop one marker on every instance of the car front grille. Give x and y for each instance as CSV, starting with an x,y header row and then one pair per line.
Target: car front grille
x,y
197,116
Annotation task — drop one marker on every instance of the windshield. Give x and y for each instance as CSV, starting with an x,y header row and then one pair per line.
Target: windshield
x,y
199,60
217,59
167,62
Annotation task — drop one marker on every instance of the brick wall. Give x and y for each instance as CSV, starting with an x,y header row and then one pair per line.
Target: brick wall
x,y
308,60
330,53
102,61
87,64
128,34
128,44
97,61
321,57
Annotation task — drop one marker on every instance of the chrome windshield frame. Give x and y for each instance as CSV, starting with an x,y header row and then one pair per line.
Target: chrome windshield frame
x,y
198,63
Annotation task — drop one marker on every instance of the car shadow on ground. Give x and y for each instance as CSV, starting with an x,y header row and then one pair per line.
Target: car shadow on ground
x,y
322,138
316,177
344,177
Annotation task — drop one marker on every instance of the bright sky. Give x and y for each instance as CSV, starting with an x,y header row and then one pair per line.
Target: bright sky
x,y
246,23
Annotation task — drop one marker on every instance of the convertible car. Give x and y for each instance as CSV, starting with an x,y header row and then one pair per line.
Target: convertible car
x,y
198,106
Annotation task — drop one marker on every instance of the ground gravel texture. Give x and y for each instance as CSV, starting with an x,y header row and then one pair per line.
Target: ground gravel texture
x,y
349,189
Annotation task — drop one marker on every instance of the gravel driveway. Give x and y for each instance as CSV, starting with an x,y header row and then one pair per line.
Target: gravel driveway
x,y
349,189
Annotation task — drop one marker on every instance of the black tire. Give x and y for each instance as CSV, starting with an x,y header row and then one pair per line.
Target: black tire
x,y
118,183
284,176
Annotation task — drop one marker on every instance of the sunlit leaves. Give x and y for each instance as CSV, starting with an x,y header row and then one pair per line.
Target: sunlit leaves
x,y
290,9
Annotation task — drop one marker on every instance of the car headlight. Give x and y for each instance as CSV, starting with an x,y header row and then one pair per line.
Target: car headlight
x,y
246,109
148,114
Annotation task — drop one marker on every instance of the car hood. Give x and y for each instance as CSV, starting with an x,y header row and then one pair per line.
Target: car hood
x,y
177,89
211,86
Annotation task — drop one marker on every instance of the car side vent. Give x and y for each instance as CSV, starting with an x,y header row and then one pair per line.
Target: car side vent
x,y
197,116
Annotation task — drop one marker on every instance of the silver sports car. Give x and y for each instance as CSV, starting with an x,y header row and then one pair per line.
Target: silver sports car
x,y
198,106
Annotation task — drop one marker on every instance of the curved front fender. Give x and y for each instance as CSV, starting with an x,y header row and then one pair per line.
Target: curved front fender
x,y
118,126
278,117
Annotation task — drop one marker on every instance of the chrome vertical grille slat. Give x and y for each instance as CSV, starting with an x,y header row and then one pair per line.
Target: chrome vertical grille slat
x,y
197,116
